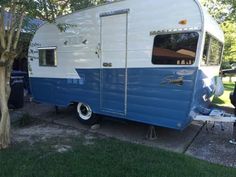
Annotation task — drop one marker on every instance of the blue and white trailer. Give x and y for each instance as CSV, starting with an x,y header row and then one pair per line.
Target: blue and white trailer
x,y
149,61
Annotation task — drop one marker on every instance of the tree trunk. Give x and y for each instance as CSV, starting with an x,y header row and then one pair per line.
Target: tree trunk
x,y
5,117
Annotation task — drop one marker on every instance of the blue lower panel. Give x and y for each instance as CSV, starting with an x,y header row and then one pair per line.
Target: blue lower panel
x,y
113,90
152,96
62,92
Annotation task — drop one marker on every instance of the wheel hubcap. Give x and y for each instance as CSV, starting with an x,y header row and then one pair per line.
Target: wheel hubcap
x,y
84,111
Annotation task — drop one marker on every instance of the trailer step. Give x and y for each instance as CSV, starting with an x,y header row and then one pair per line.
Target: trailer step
x,y
215,118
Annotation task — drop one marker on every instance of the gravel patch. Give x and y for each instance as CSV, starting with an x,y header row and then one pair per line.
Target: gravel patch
x,y
42,132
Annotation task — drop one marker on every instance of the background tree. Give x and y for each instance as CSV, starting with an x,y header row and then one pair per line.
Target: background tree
x,y
224,11
230,41
48,10
81,4
232,9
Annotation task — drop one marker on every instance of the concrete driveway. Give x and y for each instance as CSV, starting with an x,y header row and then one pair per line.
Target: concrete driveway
x,y
195,141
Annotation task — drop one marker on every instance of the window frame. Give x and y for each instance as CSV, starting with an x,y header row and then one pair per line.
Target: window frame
x,y
209,47
55,56
177,32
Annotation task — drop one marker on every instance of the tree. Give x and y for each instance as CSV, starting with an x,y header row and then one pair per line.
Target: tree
x,y
9,36
232,9
48,10
221,10
12,20
224,11
230,41
77,5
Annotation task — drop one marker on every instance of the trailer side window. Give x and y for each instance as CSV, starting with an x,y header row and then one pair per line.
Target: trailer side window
x,y
212,53
175,49
206,49
47,57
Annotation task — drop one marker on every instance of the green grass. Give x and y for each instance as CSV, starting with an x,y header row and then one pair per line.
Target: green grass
x,y
105,158
224,99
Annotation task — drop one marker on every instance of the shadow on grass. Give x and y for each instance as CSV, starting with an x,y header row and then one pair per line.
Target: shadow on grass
x,y
218,101
224,99
229,87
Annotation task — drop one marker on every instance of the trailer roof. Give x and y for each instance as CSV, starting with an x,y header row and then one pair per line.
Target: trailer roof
x,y
211,26
208,23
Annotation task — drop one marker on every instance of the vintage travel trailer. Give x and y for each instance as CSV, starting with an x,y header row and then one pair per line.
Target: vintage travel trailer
x,y
149,61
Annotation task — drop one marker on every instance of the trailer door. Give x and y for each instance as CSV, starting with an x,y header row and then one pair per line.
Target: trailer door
x,y
114,61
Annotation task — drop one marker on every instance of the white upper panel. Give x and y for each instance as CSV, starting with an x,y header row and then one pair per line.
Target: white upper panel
x,y
77,47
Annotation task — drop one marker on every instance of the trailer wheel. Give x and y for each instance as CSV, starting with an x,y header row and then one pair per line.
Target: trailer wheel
x,y
85,114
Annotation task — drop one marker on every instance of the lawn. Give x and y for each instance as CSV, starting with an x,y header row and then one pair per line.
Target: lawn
x,y
224,99
103,158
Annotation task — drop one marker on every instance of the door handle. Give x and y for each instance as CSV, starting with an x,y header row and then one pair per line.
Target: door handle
x,y
107,64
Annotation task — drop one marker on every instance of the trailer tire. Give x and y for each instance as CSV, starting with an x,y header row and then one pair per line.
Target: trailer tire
x,y
86,115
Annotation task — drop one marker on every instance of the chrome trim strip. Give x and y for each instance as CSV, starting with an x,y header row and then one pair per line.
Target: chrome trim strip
x,y
101,68
47,48
117,12
126,65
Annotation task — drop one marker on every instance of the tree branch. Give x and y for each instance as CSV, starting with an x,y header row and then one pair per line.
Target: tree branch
x,y
45,9
9,39
2,64
2,28
12,28
18,32
63,7
11,19
52,9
